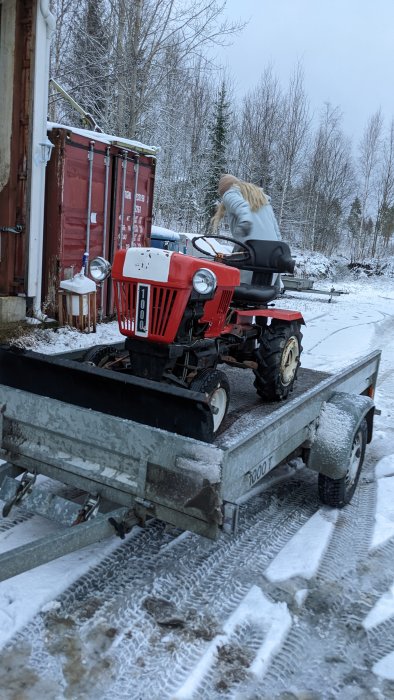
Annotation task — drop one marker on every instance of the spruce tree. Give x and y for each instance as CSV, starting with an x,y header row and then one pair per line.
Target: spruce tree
x,y
353,224
218,136
90,59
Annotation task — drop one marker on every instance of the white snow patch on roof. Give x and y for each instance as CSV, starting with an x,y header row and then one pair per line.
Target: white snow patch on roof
x,y
106,138
302,555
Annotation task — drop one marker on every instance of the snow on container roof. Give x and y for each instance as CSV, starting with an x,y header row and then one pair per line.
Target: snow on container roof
x,y
165,233
110,139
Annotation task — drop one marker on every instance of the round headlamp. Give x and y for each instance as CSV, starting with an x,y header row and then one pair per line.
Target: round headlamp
x,y
204,281
99,269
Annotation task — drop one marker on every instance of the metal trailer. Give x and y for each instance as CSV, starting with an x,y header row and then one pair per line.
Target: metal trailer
x,y
130,470
305,284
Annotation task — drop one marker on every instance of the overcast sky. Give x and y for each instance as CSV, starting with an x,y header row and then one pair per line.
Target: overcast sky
x,y
346,48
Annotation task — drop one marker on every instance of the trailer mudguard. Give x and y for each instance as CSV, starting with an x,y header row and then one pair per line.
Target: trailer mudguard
x,y
336,428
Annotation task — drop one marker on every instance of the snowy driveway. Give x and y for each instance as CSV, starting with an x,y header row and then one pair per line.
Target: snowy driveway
x,y
299,605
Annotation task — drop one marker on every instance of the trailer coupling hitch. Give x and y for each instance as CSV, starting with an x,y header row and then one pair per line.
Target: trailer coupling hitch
x,y
24,487
88,510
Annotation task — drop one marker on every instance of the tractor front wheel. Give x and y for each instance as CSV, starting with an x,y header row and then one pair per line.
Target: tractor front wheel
x,y
278,359
105,356
215,385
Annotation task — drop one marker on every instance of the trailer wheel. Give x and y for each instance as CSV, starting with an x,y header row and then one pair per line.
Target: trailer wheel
x,y
102,356
339,492
278,359
215,385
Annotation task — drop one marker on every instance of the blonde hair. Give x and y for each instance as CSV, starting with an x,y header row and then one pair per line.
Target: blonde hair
x,y
254,195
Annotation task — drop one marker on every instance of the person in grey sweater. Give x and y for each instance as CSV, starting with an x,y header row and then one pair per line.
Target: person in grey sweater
x,y
249,213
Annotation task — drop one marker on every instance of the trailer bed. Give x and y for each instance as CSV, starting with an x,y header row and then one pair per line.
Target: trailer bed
x,y
150,472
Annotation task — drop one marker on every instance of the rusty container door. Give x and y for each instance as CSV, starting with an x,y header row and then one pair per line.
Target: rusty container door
x,y
131,221
77,209
15,150
132,203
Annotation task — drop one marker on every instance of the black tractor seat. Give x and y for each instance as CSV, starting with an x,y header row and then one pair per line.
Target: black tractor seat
x,y
267,258
250,294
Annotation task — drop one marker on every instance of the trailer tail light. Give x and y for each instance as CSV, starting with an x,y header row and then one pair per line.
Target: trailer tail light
x,y
371,391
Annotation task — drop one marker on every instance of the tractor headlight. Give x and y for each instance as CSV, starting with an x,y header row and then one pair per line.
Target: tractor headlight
x,y
204,281
99,269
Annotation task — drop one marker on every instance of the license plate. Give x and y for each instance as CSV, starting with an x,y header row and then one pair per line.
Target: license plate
x,y
142,310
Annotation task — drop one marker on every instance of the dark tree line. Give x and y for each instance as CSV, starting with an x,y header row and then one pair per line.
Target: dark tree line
x,y
143,69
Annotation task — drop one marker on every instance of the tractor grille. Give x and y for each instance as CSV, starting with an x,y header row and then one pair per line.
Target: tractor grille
x,y
224,301
165,306
216,311
162,304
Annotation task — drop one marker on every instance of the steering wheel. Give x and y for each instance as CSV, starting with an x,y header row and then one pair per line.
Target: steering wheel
x,y
235,256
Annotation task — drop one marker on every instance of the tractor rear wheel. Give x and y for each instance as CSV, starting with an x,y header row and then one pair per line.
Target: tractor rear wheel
x,y
215,385
278,359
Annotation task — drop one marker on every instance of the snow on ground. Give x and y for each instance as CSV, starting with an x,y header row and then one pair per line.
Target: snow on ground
x,y
336,333
302,555
51,342
23,596
254,607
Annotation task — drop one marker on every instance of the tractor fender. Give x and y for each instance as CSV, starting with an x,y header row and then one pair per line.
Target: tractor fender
x,y
337,425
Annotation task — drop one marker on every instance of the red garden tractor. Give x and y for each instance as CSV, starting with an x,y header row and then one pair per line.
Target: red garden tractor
x,y
183,316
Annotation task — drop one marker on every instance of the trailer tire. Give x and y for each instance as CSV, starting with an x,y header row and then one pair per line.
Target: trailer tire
x,y
278,359
215,385
339,492
100,356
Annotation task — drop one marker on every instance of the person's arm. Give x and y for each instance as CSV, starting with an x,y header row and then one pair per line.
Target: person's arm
x,y
236,206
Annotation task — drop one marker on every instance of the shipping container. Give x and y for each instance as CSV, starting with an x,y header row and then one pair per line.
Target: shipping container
x,y
17,56
99,195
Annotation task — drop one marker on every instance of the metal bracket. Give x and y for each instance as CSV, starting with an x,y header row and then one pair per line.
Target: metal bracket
x,y
143,509
3,407
24,487
88,510
11,229
230,518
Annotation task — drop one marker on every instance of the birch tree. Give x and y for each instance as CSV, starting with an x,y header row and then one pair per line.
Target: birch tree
x,y
369,158
328,183
384,225
260,130
152,28
291,143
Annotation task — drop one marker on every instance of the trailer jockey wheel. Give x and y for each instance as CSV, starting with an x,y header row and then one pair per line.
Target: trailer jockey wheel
x,y
278,360
339,492
215,385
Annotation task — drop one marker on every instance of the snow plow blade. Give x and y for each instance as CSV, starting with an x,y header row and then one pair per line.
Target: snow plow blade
x,y
164,406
